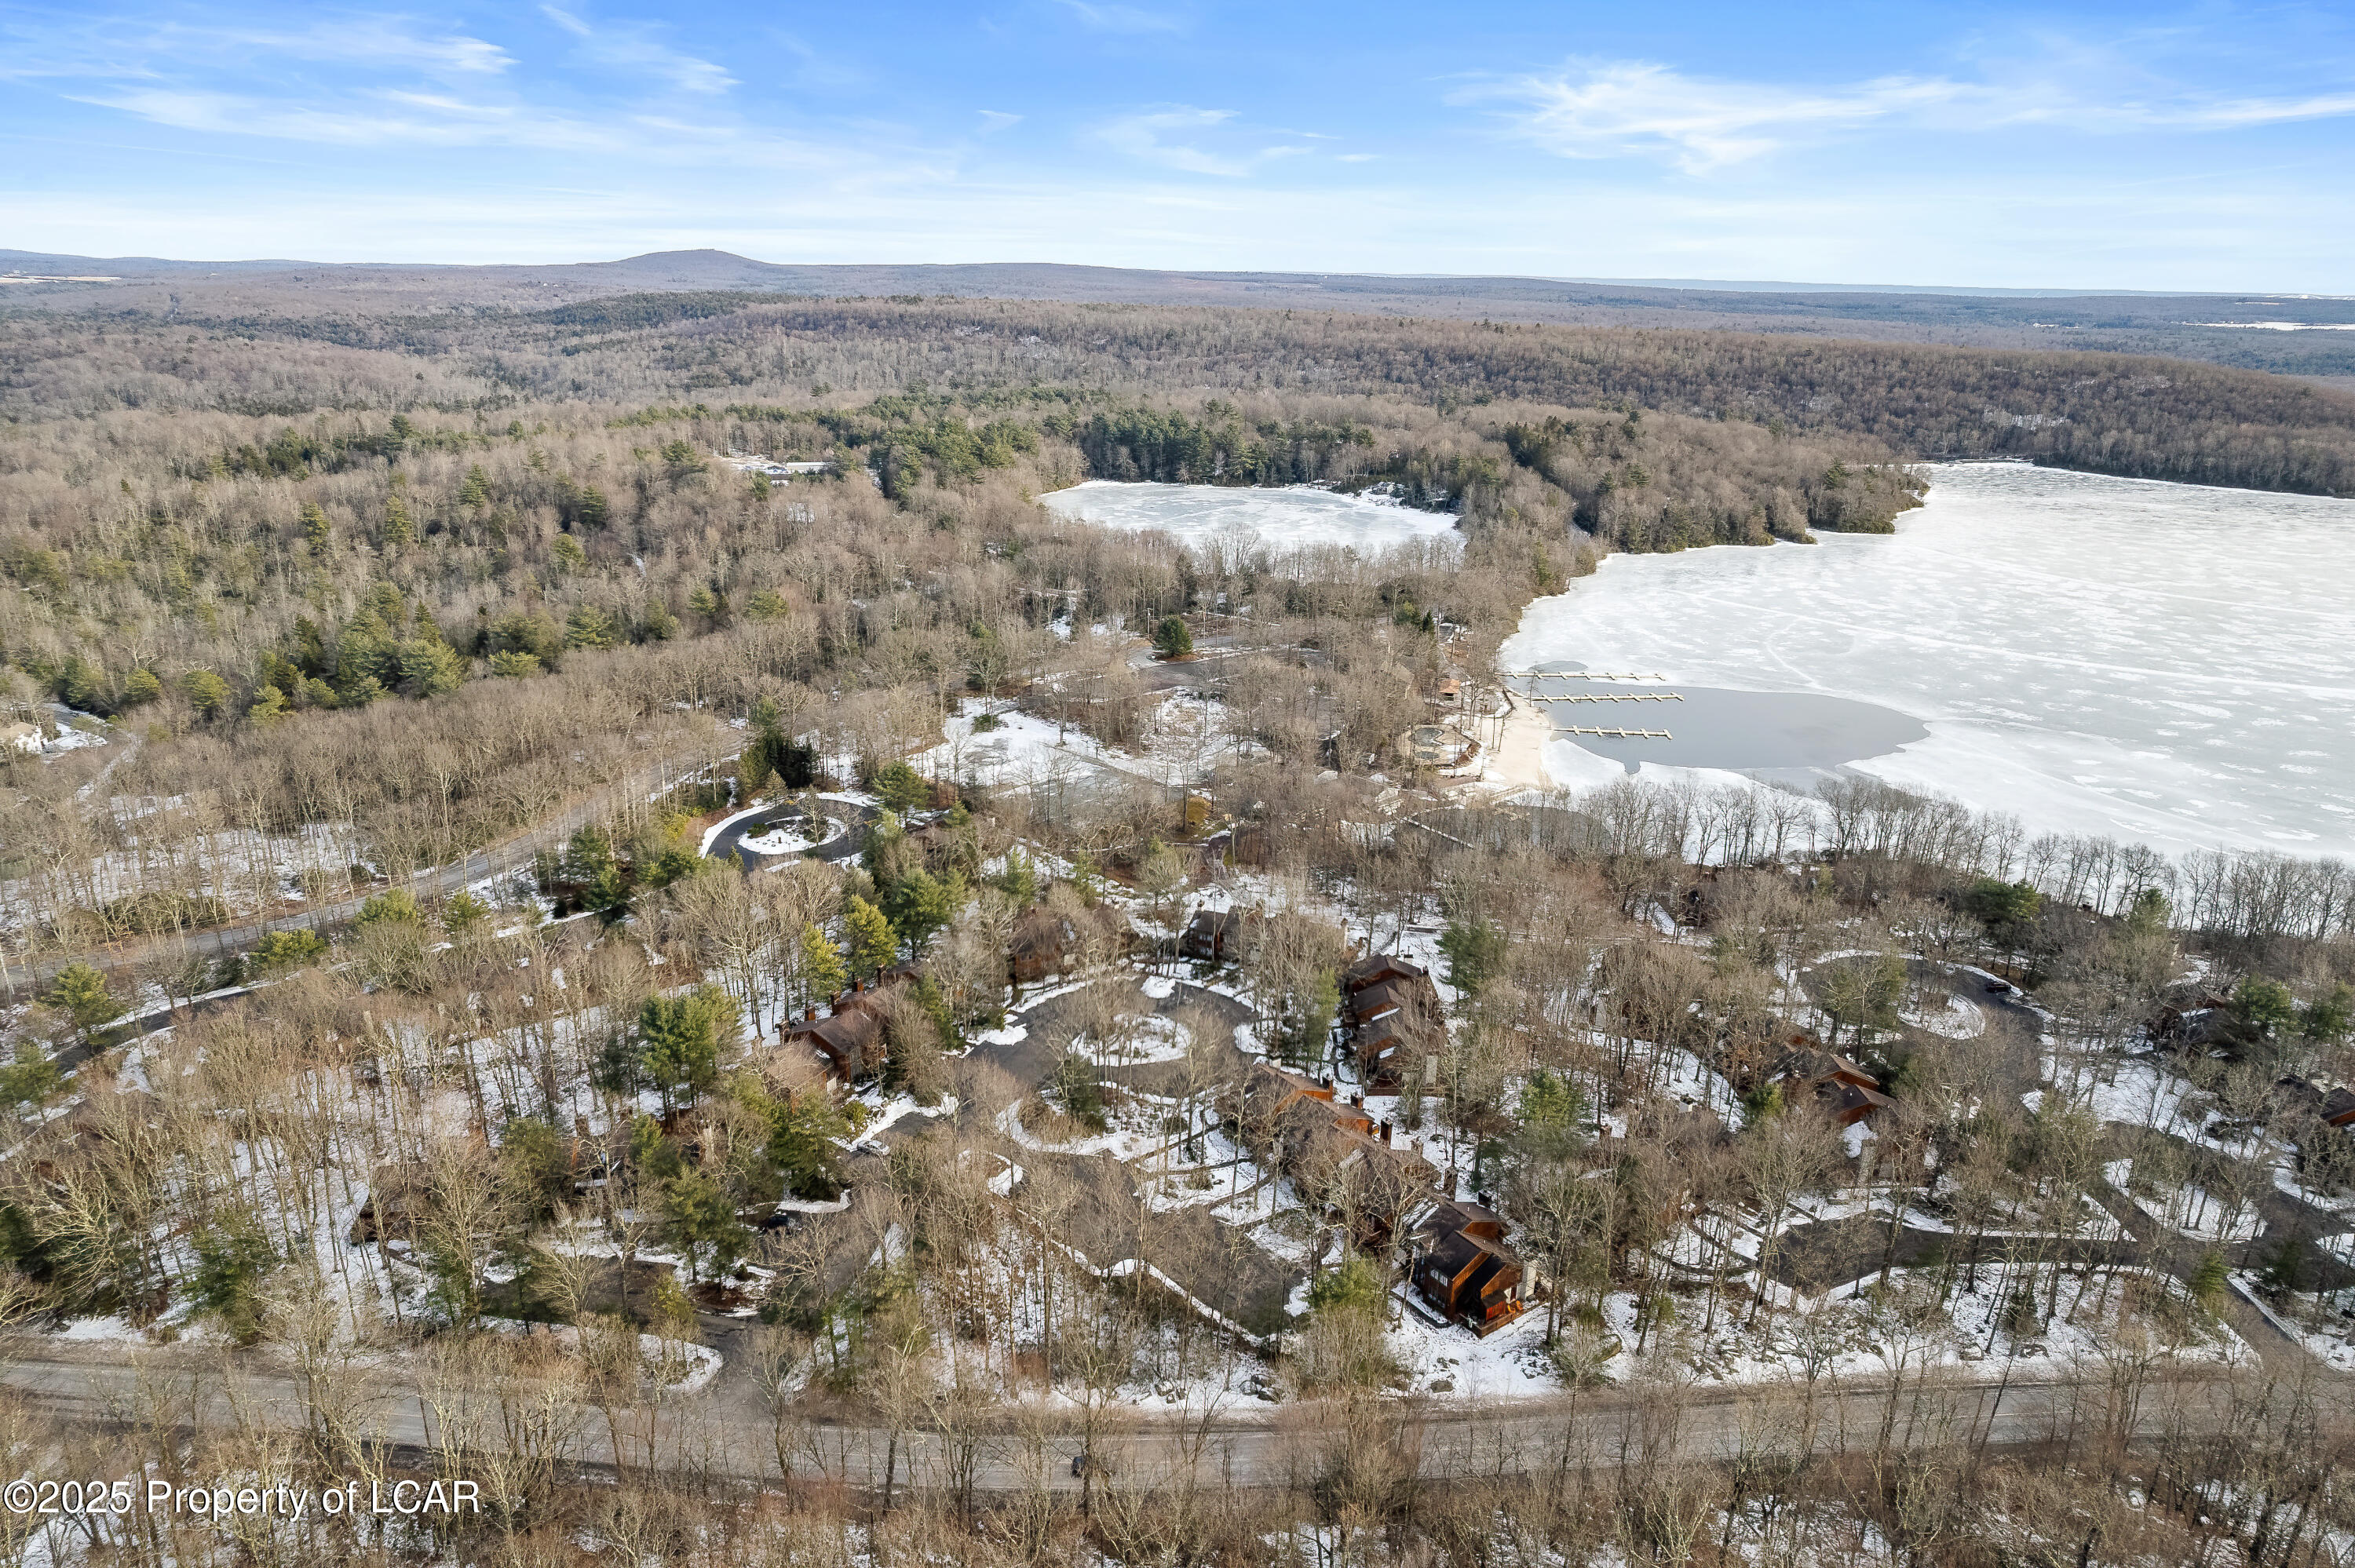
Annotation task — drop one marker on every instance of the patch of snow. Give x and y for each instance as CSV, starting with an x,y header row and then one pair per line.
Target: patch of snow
x,y
1244,518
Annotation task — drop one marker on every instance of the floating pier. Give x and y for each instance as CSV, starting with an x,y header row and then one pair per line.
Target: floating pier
x,y
1613,734
1618,698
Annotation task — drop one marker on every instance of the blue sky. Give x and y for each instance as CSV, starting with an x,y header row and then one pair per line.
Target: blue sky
x,y
2206,147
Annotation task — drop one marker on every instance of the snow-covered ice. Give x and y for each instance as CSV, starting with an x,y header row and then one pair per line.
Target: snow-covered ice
x,y
1290,516
2164,663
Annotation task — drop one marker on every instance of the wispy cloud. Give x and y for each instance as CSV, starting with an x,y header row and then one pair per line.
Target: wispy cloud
x,y
1612,108
1178,137
403,118
377,119
997,120
1148,137
122,48
633,46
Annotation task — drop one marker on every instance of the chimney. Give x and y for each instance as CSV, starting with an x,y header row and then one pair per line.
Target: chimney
x,y
809,1013
1357,1098
1386,1132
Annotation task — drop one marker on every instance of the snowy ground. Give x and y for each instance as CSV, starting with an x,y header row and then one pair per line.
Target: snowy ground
x,y
2236,726
1850,1336
787,838
1292,516
2194,1211
1959,1019
1147,1037
2328,1334
1023,751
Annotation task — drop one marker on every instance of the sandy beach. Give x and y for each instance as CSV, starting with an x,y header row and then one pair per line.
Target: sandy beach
x,y
1517,767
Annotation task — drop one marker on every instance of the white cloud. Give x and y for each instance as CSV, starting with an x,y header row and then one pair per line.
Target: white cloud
x,y
997,120
1619,108
383,39
877,155
1143,137
1615,108
1174,137
2229,114
632,45
122,48
379,120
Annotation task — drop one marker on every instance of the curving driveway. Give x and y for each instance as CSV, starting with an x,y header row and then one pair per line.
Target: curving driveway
x,y
847,821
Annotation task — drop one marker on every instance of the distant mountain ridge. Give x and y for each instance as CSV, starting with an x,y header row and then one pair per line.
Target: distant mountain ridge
x,y
2210,326
709,268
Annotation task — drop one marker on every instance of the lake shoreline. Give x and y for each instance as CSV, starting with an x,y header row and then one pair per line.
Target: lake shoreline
x,y
2145,661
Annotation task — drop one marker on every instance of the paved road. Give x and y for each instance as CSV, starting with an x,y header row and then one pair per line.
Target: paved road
x,y
728,1427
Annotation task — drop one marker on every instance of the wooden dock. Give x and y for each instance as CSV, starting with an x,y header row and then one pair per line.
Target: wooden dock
x,y
1615,697
1613,734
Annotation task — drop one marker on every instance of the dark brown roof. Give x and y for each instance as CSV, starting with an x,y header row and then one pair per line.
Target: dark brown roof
x,y
1378,967
1808,1065
1380,997
845,1038
1451,1216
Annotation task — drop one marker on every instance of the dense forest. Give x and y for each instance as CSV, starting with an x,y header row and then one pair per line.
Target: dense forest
x,y
2113,413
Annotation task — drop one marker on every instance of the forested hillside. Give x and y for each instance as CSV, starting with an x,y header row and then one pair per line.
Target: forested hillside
x,y
2112,413
427,575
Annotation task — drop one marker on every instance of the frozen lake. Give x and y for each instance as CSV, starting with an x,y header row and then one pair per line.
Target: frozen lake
x,y
1281,518
2161,663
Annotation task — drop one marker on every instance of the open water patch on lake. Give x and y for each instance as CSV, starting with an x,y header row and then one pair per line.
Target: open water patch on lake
x,y
2164,663
1793,737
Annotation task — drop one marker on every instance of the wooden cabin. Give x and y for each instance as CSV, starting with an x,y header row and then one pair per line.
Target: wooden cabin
x,y
850,1039
1845,1091
399,1196
1332,1148
1465,1270
1391,1012
1846,1103
1220,936
1047,945
1268,1091
1809,1065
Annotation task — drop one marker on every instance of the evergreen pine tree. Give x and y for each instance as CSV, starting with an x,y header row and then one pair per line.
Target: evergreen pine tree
x,y
872,940
821,967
